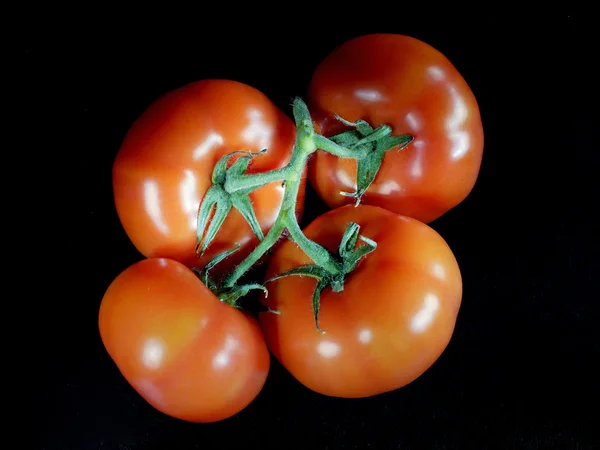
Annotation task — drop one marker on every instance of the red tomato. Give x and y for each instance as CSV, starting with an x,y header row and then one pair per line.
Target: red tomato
x,y
188,354
393,319
405,83
164,166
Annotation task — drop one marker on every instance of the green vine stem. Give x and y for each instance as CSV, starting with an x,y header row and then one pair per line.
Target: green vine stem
x,y
232,186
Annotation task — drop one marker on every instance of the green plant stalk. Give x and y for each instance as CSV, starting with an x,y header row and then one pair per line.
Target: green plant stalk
x,y
232,186
286,219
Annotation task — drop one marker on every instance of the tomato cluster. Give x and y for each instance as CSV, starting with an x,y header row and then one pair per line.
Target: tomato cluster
x,y
196,357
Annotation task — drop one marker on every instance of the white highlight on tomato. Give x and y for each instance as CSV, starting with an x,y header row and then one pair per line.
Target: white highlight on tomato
x,y
413,122
328,349
365,336
270,220
243,240
368,95
222,358
213,140
438,271
152,205
416,169
460,138
345,179
189,199
423,318
459,111
257,132
153,353
436,73
389,186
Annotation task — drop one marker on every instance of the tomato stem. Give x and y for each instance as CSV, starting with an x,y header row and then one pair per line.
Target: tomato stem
x,y
256,180
232,186
349,256
286,219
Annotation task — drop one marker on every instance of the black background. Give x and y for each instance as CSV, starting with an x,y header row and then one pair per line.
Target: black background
x,y
521,370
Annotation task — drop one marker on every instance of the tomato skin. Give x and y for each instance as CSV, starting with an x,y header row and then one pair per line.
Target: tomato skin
x,y
164,166
407,84
185,352
391,322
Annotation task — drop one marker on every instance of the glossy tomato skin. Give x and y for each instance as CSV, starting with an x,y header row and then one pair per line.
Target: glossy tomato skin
x,y
391,322
188,354
164,166
407,84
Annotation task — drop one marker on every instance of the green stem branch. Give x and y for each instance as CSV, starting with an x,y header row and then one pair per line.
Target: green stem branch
x,y
340,151
264,246
363,144
256,180
316,252
286,219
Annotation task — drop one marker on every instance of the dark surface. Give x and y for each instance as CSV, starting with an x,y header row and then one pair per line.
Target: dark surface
x,y
522,368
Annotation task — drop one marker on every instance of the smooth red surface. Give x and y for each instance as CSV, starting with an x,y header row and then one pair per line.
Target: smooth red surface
x,y
188,354
391,322
409,85
164,167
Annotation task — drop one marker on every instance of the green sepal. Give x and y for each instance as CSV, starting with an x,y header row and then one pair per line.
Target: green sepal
x,y
220,257
361,126
206,280
242,203
229,295
232,295
221,202
376,135
366,171
347,138
216,198
399,142
261,307
380,141
349,239
220,170
352,260
368,167
203,273
347,251
349,255
316,301
309,271
314,271
239,166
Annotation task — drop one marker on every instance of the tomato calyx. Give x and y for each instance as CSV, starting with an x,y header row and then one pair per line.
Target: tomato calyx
x,y
218,202
348,258
376,142
232,294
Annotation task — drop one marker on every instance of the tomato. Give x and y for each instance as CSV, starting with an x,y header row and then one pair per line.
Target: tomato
x,y
188,354
407,84
164,166
393,319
